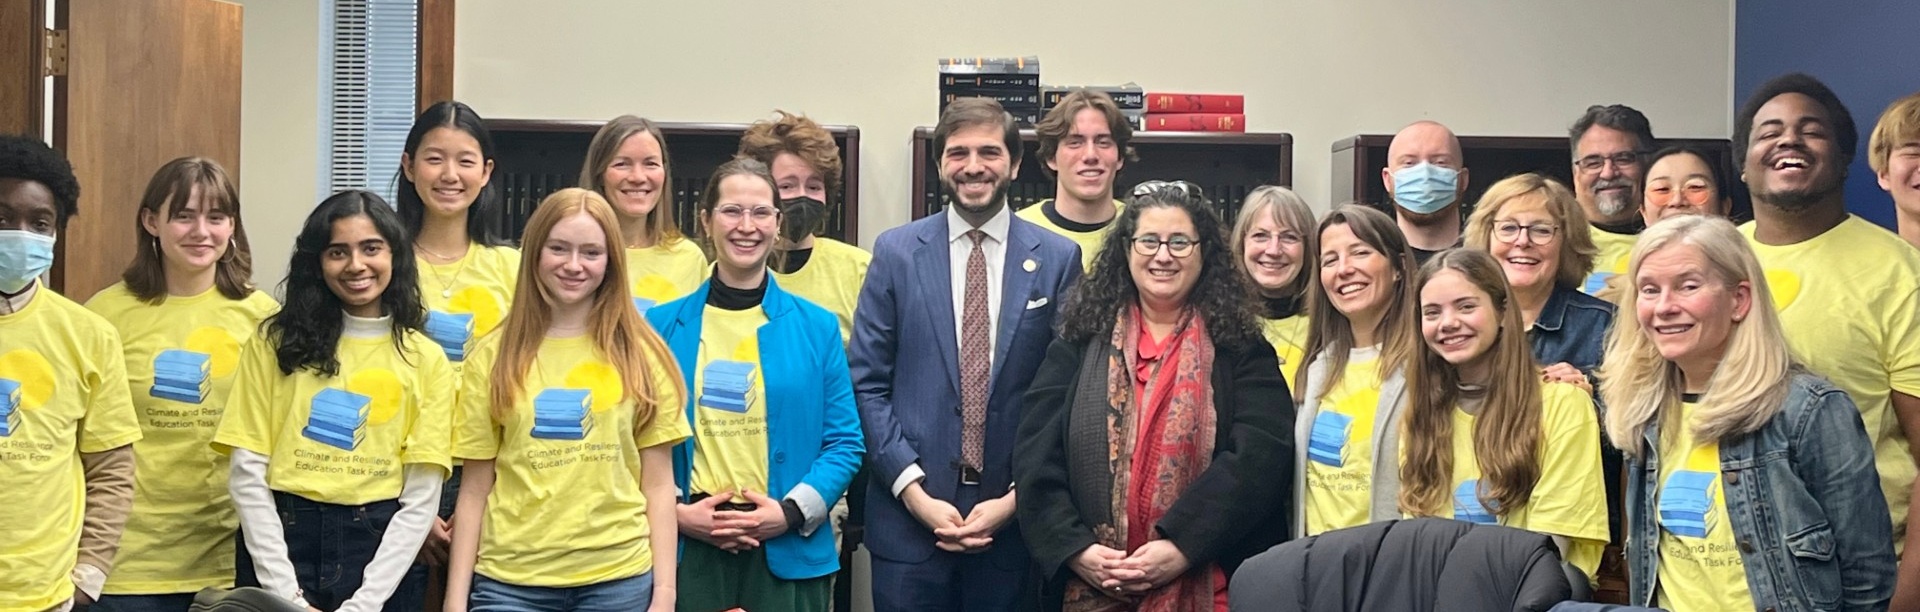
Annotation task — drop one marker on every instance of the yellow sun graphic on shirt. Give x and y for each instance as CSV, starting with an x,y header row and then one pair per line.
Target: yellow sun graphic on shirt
x,y
33,373
485,307
600,380
1785,286
655,287
748,350
221,348
383,390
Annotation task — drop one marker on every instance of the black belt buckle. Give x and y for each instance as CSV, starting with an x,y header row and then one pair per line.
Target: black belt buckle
x,y
969,475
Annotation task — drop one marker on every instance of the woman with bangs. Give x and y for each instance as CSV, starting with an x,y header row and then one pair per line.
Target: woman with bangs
x,y
627,165
1752,480
1271,239
183,308
566,423
1485,440
1362,333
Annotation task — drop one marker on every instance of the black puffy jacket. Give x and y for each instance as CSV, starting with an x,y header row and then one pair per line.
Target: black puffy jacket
x,y
1416,565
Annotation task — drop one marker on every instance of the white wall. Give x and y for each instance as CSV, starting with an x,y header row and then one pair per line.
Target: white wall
x,y
279,128
1319,70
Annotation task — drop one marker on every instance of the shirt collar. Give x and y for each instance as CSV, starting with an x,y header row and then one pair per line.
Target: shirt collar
x,y
996,226
19,302
1554,313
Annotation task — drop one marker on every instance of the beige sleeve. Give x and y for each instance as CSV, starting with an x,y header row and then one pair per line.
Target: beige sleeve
x,y
109,476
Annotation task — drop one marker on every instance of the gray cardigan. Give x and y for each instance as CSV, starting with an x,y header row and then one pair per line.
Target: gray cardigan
x,y
1386,442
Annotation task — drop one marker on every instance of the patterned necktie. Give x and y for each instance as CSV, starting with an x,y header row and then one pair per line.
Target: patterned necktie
x,y
975,354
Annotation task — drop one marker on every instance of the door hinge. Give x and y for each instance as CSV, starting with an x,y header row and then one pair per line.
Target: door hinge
x,y
56,53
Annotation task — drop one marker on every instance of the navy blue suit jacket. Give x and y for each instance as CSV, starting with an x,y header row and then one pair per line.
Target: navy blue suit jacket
x,y
906,370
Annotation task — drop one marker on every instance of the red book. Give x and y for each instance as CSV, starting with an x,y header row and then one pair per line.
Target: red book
x,y
1195,103
1197,122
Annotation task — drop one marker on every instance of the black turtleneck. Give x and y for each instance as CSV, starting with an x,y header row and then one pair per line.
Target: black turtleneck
x,y
1630,227
1052,212
1280,308
720,296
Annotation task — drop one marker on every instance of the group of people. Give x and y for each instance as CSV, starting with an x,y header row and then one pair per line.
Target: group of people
x,y
1095,403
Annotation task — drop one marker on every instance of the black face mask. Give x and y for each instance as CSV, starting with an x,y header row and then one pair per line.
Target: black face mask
x,y
800,217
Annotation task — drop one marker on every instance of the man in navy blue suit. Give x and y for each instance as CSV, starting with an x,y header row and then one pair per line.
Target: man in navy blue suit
x,y
953,321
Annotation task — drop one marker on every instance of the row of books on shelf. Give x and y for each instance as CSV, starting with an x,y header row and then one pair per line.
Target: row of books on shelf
x,y
521,193
1225,198
1015,83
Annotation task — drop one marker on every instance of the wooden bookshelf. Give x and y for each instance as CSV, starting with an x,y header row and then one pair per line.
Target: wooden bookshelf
x,y
1357,162
1226,165
538,157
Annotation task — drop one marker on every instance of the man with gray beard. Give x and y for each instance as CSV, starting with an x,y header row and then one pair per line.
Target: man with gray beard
x,y
1610,146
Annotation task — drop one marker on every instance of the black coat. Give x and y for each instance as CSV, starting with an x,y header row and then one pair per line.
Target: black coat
x,y
1241,505
1417,565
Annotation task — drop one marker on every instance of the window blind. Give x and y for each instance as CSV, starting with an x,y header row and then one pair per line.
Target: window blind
x,y
371,84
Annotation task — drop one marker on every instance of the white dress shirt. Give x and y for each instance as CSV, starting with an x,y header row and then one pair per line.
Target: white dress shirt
x,y
959,248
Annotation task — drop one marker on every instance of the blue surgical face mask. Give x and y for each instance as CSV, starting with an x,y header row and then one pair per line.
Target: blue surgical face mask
x,y
24,256
1425,188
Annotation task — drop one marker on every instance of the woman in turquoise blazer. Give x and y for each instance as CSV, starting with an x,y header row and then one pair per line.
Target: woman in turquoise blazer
x,y
776,432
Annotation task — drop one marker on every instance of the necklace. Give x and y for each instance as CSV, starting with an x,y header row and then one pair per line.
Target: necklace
x,y
446,282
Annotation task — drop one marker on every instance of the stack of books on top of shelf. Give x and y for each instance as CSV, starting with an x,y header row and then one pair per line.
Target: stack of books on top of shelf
x,y
1013,81
1131,99
1191,112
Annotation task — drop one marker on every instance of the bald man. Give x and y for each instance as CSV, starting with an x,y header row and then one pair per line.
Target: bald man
x,y
1426,177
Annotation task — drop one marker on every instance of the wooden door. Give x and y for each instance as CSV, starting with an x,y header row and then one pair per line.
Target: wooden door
x,y
147,81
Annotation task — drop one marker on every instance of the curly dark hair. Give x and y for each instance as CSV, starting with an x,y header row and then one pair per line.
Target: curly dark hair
x,y
28,159
306,331
483,216
1845,134
1222,296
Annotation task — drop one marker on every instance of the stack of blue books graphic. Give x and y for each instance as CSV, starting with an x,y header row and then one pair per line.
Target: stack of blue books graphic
x,y
1687,502
181,376
728,385
562,414
338,418
1328,438
1467,506
451,332
9,407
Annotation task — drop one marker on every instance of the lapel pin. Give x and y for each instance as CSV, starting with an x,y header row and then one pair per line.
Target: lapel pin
x,y
1030,265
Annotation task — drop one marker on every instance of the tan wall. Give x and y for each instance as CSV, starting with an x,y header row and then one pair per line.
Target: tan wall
x,y
1319,70
279,128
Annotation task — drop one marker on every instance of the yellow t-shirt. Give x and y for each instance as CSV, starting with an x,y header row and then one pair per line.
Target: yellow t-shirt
x,y
663,273
63,391
1700,565
1289,339
467,299
567,508
1615,250
1089,241
343,439
1340,448
730,408
831,279
180,359
1563,500
1849,301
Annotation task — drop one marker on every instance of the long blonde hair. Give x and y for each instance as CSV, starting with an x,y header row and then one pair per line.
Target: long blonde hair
x,y
1747,387
1577,250
660,225
619,335
1506,432
1328,330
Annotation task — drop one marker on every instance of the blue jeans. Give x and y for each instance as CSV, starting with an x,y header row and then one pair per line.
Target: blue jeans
x,y
621,595
330,546
168,602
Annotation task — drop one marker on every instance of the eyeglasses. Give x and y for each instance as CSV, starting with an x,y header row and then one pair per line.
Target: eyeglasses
x,y
1537,233
1182,187
1696,193
735,212
1623,159
1178,246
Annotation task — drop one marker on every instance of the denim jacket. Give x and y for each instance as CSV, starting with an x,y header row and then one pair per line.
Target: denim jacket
x,y
1804,501
1572,328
